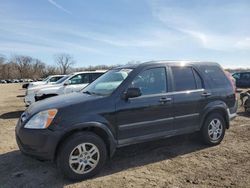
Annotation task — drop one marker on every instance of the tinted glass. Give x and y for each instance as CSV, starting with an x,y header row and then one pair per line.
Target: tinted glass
x,y
217,76
245,76
199,83
183,78
62,80
94,76
152,81
80,79
54,79
236,75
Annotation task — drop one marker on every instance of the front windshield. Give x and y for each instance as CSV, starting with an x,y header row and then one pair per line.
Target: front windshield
x,y
62,80
108,82
46,79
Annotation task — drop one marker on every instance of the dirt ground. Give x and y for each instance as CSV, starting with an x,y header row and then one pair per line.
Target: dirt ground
x,y
176,162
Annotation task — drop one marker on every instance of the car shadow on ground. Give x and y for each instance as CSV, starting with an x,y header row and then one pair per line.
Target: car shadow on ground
x,y
11,115
243,114
20,96
18,169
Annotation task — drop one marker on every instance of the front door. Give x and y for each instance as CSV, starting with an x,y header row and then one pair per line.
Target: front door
x,y
148,115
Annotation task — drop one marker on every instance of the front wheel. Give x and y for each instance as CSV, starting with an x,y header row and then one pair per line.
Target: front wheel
x,y
213,130
82,156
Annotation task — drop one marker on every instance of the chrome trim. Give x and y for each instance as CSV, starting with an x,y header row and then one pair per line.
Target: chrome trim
x,y
188,115
186,92
145,123
125,126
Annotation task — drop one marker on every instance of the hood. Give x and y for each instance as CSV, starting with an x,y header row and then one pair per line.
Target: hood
x,y
43,86
48,90
37,83
60,102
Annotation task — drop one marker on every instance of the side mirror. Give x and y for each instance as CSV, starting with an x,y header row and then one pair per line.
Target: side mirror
x,y
132,93
67,82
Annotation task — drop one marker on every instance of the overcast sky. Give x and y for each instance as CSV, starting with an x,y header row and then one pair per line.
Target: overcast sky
x,y
118,31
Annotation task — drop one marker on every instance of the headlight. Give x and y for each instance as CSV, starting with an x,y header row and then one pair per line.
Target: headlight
x,y
39,94
41,120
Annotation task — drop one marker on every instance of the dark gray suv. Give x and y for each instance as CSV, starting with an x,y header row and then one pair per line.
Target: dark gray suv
x,y
125,106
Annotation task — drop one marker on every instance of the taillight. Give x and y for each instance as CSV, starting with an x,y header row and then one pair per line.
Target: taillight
x,y
232,81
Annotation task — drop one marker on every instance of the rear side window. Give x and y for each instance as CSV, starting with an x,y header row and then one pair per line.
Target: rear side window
x,y
80,79
184,78
245,76
54,79
217,76
236,76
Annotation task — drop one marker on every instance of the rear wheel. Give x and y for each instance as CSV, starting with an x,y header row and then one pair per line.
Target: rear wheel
x,y
213,130
82,156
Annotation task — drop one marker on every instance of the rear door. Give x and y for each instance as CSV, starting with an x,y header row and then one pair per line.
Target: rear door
x,y
188,97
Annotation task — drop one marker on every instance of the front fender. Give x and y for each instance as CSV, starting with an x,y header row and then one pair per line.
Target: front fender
x,y
92,126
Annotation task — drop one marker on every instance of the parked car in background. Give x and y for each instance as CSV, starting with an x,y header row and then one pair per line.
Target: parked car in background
x,y
48,80
31,91
242,79
71,83
15,81
128,105
26,83
3,82
8,81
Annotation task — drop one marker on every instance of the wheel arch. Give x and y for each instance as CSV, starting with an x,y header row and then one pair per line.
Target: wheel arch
x,y
99,129
216,109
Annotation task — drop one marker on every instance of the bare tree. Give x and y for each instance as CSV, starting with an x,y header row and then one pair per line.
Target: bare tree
x,y
2,62
64,61
38,68
50,70
23,65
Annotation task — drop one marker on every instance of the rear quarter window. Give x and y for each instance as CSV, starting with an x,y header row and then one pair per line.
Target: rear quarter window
x,y
216,75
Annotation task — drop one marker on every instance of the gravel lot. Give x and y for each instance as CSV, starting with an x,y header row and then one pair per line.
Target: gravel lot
x,y
177,162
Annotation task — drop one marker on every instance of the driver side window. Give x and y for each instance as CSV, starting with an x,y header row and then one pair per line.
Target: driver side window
x,y
151,81
79,79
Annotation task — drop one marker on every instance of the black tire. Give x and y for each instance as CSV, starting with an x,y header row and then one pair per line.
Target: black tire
x,y
206,137
68,146
247,105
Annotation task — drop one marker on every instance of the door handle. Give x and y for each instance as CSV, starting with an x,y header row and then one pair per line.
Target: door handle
x,y
165,100
206,94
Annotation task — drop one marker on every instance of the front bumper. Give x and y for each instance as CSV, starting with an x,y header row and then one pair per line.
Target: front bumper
x,y
40,144
29,99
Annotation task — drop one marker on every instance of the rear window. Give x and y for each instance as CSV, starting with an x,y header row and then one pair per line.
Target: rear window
x,y
184,78
216,75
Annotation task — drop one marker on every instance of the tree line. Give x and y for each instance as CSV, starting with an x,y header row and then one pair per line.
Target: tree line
x,y
27,67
